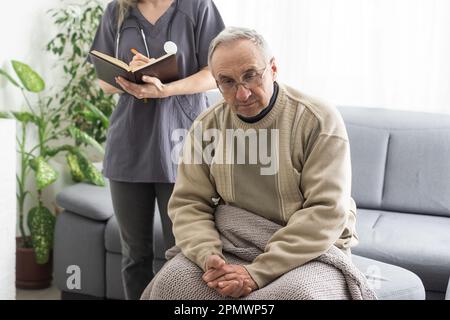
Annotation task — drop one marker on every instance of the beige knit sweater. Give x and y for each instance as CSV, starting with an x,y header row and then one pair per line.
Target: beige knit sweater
x,y
299,178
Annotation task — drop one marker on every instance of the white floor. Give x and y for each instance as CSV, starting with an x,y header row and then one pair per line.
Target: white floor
x,y
51,293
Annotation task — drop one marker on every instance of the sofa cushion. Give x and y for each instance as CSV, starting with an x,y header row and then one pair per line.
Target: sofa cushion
x,y
393,119
416,242
390,282
368,147
417,165
112,236
418,172
87,200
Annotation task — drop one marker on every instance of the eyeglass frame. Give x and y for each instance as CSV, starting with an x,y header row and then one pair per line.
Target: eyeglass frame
x,y
237,83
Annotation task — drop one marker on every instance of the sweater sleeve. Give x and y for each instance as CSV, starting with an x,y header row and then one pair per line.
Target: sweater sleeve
x,y
191,209
325,184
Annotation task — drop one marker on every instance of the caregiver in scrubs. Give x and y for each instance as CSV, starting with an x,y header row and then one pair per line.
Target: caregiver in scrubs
x,y
139,144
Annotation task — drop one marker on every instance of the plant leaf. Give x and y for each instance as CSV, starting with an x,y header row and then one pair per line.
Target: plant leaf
x,y
45,174
80,23
88,115
75,170
81,136
90,173
97,112
11,79
5,115
24,117
30,79
41,223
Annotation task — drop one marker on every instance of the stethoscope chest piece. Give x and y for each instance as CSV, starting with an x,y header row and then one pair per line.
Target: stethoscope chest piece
x,y
170,47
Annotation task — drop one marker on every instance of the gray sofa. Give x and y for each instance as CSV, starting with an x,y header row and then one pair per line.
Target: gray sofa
x,y
401,184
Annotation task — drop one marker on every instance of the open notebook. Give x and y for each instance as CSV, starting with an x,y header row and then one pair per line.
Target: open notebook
x,y
165,68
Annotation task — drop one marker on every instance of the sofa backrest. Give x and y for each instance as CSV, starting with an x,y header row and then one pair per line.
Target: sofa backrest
x,y
400,160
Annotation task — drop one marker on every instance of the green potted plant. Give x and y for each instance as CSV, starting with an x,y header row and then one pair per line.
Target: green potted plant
x,y
77,24
51,123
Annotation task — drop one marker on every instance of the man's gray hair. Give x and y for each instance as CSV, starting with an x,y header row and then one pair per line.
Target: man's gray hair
x,y
231,34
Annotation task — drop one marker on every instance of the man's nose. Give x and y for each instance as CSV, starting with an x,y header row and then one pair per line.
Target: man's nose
x,y
242,93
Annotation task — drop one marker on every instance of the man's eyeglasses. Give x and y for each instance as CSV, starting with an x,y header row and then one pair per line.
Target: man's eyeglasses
x,y
249,80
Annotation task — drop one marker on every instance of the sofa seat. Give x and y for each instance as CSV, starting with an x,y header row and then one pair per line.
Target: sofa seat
x,y
390,282
388,236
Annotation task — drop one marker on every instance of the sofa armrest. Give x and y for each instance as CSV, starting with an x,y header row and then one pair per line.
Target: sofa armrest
x,y
80,243
87,200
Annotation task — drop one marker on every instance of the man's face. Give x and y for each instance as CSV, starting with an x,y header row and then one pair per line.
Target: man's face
x,y
241,61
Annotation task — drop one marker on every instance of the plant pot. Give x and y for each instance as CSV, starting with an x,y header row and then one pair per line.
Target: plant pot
x,y
29,274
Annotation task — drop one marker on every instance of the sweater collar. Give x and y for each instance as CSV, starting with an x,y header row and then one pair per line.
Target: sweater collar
x,y
265,111
268,119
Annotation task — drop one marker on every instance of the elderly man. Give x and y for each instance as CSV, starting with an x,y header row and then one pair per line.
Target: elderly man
x,y
307,192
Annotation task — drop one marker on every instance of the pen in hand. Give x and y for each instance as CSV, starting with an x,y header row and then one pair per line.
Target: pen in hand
x,y
139,60
137,57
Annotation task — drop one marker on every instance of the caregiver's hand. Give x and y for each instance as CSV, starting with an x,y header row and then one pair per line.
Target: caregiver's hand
x,y
152,88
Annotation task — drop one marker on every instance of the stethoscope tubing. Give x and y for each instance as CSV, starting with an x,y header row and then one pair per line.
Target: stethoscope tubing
x,y
142,33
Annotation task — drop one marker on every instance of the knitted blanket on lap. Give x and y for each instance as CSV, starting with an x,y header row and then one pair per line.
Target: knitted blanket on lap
x,y
244,235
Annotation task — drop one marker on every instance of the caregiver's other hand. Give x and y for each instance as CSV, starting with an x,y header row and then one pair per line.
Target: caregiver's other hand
x,y
152,88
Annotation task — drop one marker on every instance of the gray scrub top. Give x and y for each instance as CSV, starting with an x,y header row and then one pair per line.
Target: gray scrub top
x,y
139,140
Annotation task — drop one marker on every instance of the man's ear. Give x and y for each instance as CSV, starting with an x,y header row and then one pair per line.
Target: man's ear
x,y
273,68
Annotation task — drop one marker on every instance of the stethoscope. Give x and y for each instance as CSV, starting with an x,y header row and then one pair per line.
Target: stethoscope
x,y
169,46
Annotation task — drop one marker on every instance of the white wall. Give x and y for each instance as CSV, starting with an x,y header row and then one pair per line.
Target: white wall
x,y
370,53
7,210
25,30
